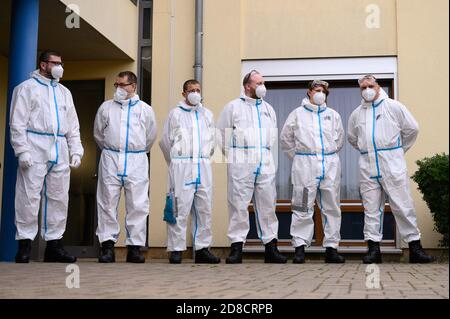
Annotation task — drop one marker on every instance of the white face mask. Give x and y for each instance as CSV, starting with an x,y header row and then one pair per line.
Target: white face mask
x,y
120,94
57,72
319,98
261,91
369,94
194,98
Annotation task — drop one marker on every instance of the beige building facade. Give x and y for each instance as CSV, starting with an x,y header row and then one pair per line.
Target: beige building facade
x,y
402,42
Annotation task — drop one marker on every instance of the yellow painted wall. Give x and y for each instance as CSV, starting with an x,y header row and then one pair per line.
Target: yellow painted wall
x,y
221,84
325,28
118,23
92,70
173,60
423,86
236,30
221,78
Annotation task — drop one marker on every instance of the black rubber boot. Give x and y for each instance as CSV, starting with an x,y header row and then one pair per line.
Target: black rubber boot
x,y
55,253
107,252
299,257
417,255
204,256
23,253
175,257
332,256
235,256
272,255
374,253
134,255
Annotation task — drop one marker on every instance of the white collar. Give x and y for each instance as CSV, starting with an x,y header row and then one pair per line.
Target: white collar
x,y
42,79
131,101
250,100
306,103
186,107
383,96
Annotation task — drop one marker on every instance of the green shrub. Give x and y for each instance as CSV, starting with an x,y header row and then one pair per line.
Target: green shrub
x,y
432,178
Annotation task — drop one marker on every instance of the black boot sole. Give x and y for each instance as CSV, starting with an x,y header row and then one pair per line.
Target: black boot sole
x,y
22,261
113,260
269,261
421,261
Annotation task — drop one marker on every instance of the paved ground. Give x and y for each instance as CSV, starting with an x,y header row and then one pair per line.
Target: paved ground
x,y
253,279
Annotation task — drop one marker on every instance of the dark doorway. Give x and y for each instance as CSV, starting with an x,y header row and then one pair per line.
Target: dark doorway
x,y
79,238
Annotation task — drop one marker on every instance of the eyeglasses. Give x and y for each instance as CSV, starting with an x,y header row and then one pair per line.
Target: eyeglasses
x,y
55,63
122,85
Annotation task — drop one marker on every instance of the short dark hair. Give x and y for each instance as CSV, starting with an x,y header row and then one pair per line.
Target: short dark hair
x,y
189,82
44,56
131,77
248,77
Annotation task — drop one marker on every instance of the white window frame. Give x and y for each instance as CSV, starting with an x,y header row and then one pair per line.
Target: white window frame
x,y
324,69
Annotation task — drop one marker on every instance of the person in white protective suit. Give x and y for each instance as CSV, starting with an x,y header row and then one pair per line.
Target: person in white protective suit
x,y
188,143
45,136
125,130
248,128
382,130
312,136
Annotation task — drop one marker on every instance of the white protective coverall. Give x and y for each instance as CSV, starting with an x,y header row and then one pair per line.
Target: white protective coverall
x,y
43,123
382,132
312,136
249,133
188,143
125,131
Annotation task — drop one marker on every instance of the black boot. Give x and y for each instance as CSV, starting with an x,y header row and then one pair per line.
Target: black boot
x,y
55,253
204,256
175,257
134,255
374,253
23,253
235,256
417,255
107,252
299,257
272,255
332,256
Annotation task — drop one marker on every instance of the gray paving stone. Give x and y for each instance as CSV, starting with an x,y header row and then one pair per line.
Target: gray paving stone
x,y
158,279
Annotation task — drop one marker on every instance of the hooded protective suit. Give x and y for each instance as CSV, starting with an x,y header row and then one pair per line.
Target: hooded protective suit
x,y
383,131
312,136
188,143
249,132
45,130
125,131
